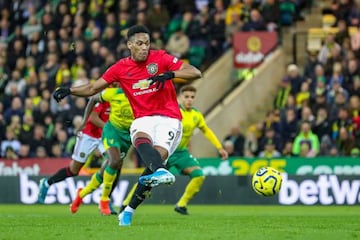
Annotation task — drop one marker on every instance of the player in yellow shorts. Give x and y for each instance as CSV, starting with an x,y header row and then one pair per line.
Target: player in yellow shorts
x,y
181,160
116,139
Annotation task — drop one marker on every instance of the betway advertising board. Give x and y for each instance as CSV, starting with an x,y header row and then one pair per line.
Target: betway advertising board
x,y
235,166
296,190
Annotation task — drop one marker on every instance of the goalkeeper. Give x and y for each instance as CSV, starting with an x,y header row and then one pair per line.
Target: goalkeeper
x,y
181,160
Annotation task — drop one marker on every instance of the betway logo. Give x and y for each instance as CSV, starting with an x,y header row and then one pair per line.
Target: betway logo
x,y
15,169
65,192
326,190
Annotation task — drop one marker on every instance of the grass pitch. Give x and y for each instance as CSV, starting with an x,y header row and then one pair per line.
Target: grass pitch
x,y
158,222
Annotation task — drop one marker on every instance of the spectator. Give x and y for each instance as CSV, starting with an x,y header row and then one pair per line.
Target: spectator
x,y
345,142
229,148
178,44
255,23
339,102
326,51
354,106
10,143
343,32
352,72
288,125
10,153
355,88
310,67
217,36
306,142
283,93
234,9
38,140
303,96
343,120
318,94
307,115
251,143
295,78
16,108
41,111
237,139
270,10
24,151
269,150
271,134
27,129
157,16
322,125
41,152
287,150
156,40
17,81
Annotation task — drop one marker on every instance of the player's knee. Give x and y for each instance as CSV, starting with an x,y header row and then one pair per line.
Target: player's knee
x,y
73,171
197,173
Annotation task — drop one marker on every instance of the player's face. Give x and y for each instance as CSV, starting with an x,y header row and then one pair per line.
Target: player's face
x,y
187,99
139,46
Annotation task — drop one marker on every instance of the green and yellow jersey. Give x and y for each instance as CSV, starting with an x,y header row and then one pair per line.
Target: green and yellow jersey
x,y
121,115
192,119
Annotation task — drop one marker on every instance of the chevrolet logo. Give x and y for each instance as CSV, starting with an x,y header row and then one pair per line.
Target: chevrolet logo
x,y
141,84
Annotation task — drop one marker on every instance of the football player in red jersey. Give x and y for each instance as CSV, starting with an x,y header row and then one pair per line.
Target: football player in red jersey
x,y
146,78
87,141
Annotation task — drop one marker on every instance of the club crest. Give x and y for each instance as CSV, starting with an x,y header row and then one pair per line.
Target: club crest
x,y
152,68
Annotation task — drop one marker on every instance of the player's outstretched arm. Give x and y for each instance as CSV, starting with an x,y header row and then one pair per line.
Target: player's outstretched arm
x,y
188,72
85,90
89,89
210,135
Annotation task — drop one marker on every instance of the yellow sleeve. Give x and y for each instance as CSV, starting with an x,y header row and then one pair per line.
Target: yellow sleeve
x,y
209,134
108,94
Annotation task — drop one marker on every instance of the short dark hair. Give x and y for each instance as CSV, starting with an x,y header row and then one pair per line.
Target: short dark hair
x,y
137,29
186,88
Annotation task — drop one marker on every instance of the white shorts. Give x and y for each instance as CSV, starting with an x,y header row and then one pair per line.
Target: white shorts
x,y
164,131
85,145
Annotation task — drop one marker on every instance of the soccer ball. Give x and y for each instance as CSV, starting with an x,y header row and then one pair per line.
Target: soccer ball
x,y
267,181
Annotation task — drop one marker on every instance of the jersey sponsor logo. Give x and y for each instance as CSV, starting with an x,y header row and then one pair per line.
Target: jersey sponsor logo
x,y
141,84
152,68
111,141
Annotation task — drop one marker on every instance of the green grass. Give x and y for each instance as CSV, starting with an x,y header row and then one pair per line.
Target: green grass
x,y
161,222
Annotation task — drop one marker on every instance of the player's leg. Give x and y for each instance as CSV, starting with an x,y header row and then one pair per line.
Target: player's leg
x,y
114,185
110,173
117,141
95,181
128,197
155,138
84,146
140,194
187,165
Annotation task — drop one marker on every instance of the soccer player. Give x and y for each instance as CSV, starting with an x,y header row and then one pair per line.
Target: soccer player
x,y
146,78
88,139
181,160
116,139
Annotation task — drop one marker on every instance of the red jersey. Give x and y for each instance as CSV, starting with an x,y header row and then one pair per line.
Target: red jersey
x,y
145,99
90,129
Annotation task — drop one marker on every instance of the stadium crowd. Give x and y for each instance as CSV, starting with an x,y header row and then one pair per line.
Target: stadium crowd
x,y
317,108
46,44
